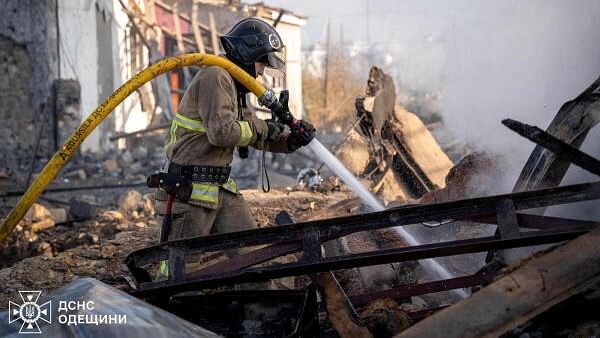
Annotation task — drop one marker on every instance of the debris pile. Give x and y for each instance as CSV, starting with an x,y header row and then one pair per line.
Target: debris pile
x,y
392,149
97,247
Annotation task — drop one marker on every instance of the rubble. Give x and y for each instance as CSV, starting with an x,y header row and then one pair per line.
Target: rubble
x,y
354,153
97,247
42,225
37,212
81,209
385,318
470,177
309,178
131,204
394,149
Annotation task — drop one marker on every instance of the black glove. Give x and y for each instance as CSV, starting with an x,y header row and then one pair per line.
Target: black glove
x,y
301,134
275,131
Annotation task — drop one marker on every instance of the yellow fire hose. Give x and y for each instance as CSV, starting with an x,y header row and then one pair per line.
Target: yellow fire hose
x,y
65,152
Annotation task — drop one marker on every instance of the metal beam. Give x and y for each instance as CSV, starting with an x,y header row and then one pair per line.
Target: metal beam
x,y
558,147
163,289
417,289
337,227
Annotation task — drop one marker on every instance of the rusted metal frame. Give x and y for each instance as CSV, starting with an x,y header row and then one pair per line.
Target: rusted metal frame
x,y
280,249
533,221
176,265
418,289
340,311
332,228
358,260
311,247
558,147
251,258
508,224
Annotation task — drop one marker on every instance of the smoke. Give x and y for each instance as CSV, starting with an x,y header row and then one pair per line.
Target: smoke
x,y
483,60
521,60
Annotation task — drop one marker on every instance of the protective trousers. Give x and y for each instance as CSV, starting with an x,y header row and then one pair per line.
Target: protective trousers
x,y
232,214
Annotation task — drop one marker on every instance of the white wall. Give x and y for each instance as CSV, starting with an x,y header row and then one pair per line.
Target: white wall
x,y
78,52
129,116
291,35
79,57
290,30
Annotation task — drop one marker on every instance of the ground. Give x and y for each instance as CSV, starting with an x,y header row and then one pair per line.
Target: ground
x,y
101,244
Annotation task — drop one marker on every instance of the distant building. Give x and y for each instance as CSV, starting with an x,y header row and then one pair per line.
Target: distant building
x,y
80,51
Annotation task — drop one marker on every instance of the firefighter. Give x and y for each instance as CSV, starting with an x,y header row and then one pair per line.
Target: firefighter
x,y
209,125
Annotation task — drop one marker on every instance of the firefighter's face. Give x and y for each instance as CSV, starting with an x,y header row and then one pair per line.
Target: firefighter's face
x,y
260,68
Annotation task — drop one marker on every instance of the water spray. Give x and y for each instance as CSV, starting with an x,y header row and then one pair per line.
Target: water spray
x,y
367,197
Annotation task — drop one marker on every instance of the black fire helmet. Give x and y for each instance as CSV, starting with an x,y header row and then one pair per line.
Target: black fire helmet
x,y
253,40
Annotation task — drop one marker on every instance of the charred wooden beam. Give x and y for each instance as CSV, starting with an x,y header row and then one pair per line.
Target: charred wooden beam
x,y
195,28
571,124
560,148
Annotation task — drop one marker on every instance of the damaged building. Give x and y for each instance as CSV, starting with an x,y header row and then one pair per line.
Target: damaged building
x,y
65,58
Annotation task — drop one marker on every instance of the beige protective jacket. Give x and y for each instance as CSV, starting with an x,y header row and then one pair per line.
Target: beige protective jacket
x,y
207,129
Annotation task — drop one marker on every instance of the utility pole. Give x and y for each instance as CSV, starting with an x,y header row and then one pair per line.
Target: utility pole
x,y
327,56
342,38
368,18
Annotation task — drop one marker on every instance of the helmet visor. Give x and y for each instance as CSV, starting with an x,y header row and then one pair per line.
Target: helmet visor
x,y
275,64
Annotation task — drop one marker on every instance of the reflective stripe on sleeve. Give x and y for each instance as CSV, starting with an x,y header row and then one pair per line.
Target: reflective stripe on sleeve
x,y
172,136
187,123
245,133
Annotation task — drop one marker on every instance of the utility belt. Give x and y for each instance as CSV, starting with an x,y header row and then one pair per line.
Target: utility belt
x,y
201,173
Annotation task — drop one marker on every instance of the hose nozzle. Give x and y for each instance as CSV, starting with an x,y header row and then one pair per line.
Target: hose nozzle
x,y
270,101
